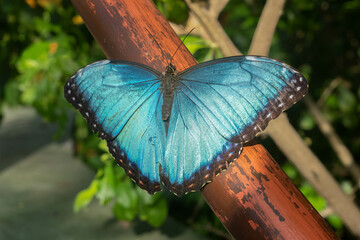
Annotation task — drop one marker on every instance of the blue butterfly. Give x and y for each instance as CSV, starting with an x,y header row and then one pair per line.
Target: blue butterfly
x,y
181,129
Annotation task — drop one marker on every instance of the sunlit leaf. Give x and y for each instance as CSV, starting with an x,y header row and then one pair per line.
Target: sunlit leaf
x,y
307,122
313,197
335,221
173,10
106,185
84,197
156,213
290,171
123,213
346,100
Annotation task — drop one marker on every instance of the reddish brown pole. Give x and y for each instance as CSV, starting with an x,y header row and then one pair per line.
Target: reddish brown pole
x,y
254,198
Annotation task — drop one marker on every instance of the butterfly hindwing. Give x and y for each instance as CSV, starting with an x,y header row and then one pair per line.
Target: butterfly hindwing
x,y
218,106
123,102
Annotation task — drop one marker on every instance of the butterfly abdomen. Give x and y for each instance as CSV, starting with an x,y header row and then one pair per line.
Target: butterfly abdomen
x,y
168,86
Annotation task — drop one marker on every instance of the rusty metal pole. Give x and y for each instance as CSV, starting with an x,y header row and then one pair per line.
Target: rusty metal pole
x,y
254,198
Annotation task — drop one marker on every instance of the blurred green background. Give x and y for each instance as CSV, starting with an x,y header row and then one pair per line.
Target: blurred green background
x,y
43,42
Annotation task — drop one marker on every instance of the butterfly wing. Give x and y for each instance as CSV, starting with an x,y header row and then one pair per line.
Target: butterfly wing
x,y
218,106
122,102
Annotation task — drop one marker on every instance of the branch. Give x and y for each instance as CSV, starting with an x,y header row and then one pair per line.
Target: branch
x,y
211,29
328,90
314,172
265,29
339,147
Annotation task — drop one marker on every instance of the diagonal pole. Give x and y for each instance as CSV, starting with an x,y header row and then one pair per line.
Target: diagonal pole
x,y
254,198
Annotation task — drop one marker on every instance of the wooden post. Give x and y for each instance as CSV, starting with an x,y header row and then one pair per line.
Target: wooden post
x,y
254,198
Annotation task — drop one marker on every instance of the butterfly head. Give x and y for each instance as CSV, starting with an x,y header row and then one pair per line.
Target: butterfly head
x,y
170,70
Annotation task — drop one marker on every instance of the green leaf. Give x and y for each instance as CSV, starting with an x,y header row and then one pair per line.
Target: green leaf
x,y
315,199
127,200
346,100
290,170
173,10
307,122
103,146
147,199
84,197
33,56
106,184
335,221
155,214
201,49
126,194
124,213
106,158
347,187
194,43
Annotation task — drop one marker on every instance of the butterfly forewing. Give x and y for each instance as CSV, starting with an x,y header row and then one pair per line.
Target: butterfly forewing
x,y
244,93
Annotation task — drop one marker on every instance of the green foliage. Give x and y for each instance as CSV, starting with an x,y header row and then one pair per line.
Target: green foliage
x,y
84,197
174,10
42,68
239,20
317,201
201,49
36,74
307,122
111,185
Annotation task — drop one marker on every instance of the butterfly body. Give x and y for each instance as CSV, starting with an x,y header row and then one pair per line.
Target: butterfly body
x,y
181,129
168,85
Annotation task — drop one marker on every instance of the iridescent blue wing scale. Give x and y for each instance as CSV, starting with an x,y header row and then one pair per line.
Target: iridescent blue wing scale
x,y
122,101
218,106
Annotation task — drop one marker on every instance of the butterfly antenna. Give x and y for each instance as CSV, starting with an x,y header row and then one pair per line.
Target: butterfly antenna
x,y
162,52
182,42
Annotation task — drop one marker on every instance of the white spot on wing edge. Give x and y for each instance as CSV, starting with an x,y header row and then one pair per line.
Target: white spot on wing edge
x,y
79,73
102,62
106,61
251,58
